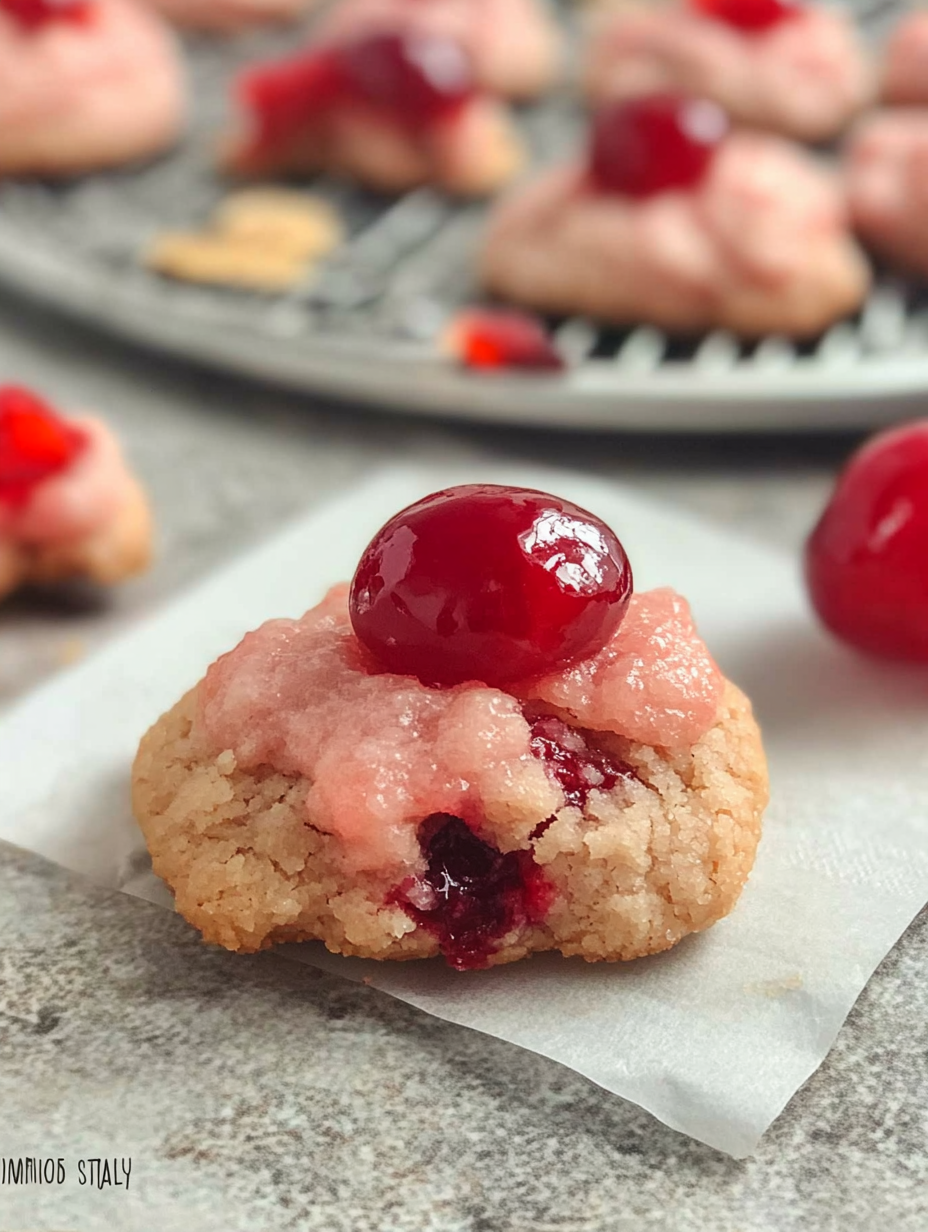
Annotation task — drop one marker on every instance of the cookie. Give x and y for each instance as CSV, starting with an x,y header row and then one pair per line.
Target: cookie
x,y
800,70
69,506
392,109
306,789
84,95
750,236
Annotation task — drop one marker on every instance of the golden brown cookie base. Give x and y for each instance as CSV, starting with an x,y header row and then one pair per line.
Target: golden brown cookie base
x,y
644,865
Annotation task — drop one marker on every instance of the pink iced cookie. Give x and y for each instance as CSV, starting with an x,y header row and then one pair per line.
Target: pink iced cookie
x,y
229,16
905,65
392,109
759,244
69,506
804,76
515,45
80,95
887,184
607,810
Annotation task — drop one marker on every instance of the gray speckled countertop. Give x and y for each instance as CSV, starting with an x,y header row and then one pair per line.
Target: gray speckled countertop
x,y
255,1096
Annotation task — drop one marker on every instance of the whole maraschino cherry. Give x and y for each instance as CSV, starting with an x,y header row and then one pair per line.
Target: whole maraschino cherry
x,y
654,143
491,583
867,559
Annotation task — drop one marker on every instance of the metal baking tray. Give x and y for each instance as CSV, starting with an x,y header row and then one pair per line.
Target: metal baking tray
x,y
364,329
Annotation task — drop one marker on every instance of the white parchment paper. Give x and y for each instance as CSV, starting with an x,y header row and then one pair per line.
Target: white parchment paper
x,y
715,1036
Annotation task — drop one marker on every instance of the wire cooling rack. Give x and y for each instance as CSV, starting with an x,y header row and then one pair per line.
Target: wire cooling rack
x,y
364,327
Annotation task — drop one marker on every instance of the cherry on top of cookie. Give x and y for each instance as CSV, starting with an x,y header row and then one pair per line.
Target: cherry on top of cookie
x,y
413,78
35,443
491,583
749,16
34,14
654,143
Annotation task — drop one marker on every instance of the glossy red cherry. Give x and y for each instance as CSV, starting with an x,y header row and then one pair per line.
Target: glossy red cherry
x,y
499,338
867,559
283,97
491,583
34,444
35,13
414,78
752,16
655,143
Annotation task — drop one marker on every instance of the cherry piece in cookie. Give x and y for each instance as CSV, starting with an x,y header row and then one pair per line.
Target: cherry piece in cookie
x,y
36,13
491,583
654,143
751,16
501,338
35,444
472,895
867,559
576,766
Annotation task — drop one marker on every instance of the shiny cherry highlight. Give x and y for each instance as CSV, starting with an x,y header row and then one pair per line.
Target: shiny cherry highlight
x,y
655,143
412,77
490,583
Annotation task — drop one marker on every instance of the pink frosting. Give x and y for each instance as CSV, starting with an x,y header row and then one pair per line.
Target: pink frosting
x,y
804,76
383,752
77,95
655,682
76,502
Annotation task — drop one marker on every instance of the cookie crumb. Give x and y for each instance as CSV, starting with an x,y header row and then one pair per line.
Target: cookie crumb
x,y
258,239
306,228
775,988
71,650
226,763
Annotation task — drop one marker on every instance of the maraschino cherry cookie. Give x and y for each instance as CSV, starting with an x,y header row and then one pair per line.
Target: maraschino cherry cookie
x,y
886,174
676,221
86,84
793,68
515,45
487,746
69,506
230,16
393,109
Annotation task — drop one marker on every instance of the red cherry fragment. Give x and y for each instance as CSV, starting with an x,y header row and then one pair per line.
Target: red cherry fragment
x,y
35,443
491,339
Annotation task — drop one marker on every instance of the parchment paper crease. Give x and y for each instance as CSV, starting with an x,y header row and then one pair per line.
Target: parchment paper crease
x,y
714,1037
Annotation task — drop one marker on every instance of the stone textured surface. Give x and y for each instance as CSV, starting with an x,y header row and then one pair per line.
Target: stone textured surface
x,y
256,1096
